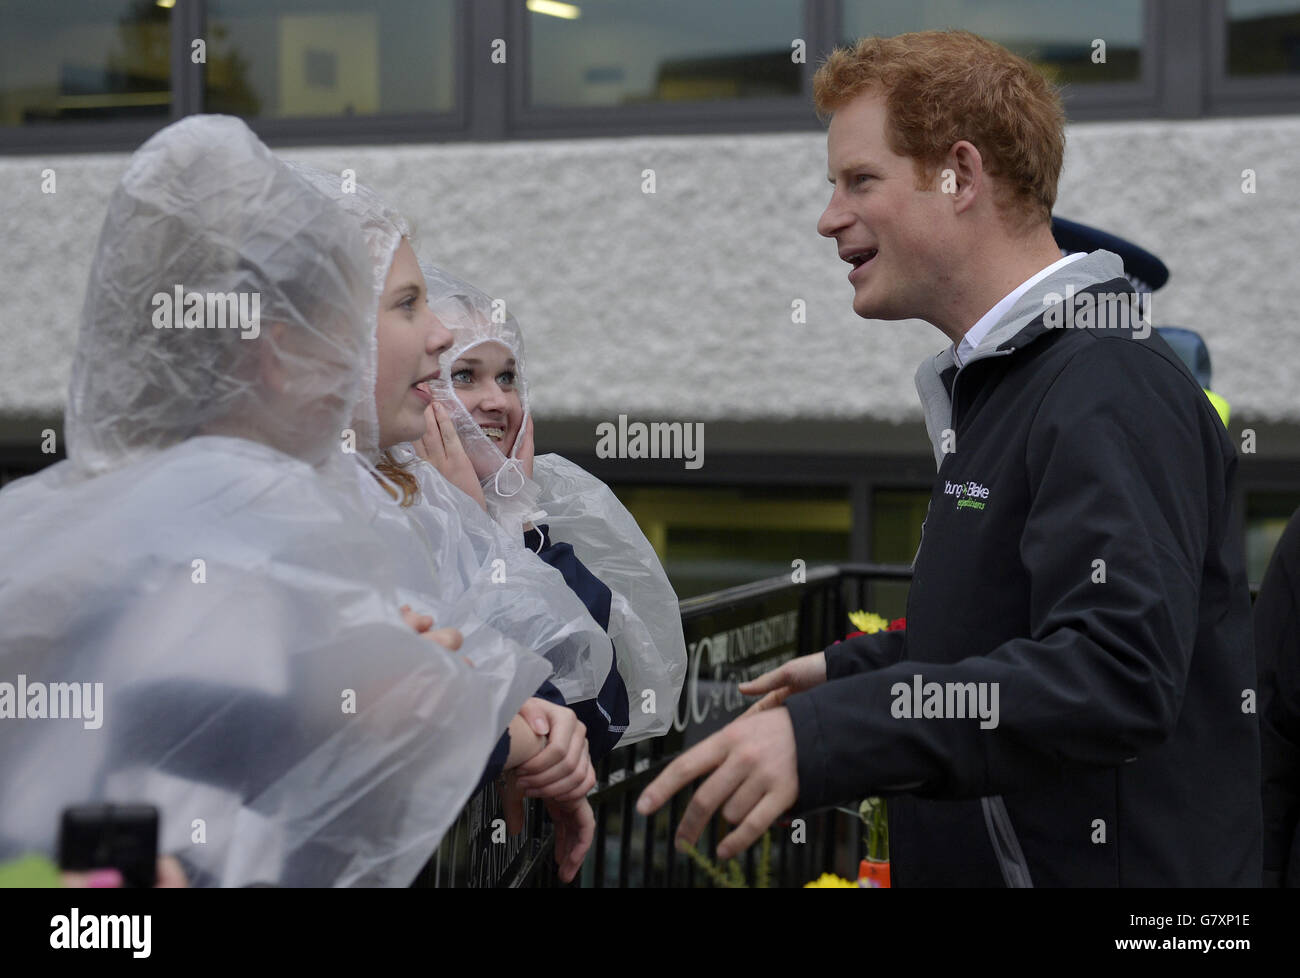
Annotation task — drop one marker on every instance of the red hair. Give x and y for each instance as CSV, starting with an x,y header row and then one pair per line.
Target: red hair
x,y
943,86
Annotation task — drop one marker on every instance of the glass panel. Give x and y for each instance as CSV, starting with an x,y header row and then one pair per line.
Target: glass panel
x,y
896,518
1057,36
715,538
616,52
1263,37
277,59
66,60
1267,514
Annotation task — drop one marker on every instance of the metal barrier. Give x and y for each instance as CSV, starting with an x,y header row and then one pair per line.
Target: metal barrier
x,y
731,636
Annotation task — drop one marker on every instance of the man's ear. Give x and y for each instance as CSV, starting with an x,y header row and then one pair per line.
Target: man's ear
x,y
962,176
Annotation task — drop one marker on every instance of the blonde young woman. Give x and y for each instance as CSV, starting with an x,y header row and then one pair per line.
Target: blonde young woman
x,y
438,536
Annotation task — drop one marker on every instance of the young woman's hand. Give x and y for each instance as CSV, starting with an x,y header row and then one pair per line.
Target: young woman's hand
x,y
575,826
562,770
422,625
440,446
526,448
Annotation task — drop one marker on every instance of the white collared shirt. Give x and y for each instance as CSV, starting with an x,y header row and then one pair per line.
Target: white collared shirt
x,y
962,351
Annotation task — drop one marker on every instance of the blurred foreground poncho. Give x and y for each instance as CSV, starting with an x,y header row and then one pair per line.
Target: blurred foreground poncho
x,y
445,545
192,556
645,621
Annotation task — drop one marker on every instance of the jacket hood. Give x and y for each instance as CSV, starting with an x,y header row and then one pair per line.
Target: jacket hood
x,y
1093,269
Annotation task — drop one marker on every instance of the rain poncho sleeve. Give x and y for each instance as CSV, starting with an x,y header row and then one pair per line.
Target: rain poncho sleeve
x,y
466,562
193,613
645,622
579,509
444,544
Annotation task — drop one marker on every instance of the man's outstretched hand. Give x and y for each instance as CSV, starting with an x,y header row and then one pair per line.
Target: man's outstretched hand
x,y
755,778
778,684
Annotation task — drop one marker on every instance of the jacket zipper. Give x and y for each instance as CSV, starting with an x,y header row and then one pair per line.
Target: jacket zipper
x,y
1002,834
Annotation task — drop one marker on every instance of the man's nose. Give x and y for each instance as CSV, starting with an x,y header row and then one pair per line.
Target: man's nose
x,y
834,218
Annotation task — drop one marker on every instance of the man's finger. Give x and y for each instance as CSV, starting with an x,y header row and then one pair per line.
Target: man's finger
x,y
700,759
765,683
752,828
743,800
710,796
774,698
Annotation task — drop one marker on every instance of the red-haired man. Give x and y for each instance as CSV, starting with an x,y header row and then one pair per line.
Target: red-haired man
x,y
1072,702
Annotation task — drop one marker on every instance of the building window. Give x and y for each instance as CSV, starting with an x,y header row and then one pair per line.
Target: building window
x,y
1263,38
281,59
1267,514
715,538
896,518
1058,36
68,61
612,53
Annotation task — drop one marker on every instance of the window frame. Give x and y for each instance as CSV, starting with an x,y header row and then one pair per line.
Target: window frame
x,y
1183,76
189,22
1227,95
713,116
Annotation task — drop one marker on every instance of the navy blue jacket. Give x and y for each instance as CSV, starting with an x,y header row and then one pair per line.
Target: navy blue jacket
x,y
606,716
1126,749
1277,648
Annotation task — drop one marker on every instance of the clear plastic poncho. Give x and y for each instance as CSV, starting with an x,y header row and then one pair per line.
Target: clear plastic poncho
x,y
191,614
466,560
580,510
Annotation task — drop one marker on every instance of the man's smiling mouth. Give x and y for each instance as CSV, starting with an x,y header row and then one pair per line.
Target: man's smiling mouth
x,y
859,260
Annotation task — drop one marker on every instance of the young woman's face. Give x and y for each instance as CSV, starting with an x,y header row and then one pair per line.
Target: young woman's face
x,y
484,380
410,339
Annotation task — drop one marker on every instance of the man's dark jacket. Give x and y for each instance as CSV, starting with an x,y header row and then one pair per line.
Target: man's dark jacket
x,y
1100,583
1277,647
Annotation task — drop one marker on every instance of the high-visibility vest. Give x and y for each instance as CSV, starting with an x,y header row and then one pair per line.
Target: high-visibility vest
x,y
1220,405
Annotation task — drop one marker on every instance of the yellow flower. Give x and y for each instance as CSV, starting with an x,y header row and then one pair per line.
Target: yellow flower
x,y
865,621
830,881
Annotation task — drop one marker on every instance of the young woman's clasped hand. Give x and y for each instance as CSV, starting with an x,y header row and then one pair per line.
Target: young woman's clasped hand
x,y
549,759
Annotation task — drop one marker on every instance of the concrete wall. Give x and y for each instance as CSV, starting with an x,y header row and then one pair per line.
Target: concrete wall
x,y
677,304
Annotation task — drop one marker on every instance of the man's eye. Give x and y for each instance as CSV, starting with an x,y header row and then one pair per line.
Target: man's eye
x,y
862,178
